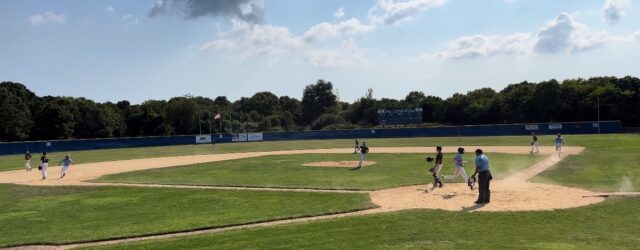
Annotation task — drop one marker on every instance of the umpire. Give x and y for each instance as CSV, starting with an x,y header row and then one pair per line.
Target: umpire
x,y
482,169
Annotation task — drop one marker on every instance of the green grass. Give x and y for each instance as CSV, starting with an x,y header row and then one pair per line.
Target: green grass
x,y
606,164
609,163
16,162
55,215
390,170
609,225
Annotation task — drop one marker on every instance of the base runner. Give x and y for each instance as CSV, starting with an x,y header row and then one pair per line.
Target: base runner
x,y
559,141
66,163
459,169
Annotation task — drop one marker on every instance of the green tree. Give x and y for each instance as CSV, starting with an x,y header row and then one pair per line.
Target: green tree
x,y
318,99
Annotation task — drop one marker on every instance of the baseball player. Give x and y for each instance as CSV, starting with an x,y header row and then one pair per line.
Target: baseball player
x,y
559,141
459,169
363,150
437,182
534,144
355,150
27,160
66,163
44,164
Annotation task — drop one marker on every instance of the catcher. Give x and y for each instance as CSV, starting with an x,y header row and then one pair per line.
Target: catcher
x,y
435,170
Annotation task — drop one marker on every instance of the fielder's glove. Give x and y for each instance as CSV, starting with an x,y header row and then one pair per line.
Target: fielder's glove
x,y
429,159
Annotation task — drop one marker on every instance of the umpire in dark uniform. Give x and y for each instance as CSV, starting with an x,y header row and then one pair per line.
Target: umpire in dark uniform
x,y
482,169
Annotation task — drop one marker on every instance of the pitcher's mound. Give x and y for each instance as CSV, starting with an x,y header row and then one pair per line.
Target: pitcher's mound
x,y
338,164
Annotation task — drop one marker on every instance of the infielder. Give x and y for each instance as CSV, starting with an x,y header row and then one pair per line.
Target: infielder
x,y
437,182
459,169
66,163
534,144
44,164
355,150
27,160
559,141
362,152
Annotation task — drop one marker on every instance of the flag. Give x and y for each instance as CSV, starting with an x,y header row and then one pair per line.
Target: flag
x,y
217,117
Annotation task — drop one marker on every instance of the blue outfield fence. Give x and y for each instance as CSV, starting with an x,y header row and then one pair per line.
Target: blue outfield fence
x,y
605,127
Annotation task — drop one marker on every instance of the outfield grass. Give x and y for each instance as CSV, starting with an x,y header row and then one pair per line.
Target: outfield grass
x,y
55,215
609,163
609,225
15,162
390,170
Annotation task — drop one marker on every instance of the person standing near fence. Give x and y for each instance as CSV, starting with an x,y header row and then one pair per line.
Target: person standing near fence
x,y
44,164
27,160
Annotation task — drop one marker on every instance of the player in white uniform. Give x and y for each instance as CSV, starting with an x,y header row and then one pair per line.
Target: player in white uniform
x,y
66,163
534,144
362,152
44,164
27,161
559,141
459,168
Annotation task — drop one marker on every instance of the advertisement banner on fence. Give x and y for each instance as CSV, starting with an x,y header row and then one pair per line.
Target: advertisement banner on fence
x,y
255,137
239,137
202,139
555,126
531,127
247,137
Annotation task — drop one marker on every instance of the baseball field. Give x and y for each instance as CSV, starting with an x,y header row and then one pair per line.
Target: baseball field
x,y
305,194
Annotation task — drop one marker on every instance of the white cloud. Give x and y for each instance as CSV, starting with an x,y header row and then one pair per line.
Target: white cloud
x,y
254,40
131,18
399,12
561,35
47,17
249,40
347,54
482,46
324,31
339,13
110,9
614,10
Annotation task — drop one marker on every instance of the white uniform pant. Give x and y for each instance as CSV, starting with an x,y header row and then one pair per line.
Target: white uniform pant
x,y
559,148
436,169
27,164
534,147
44,170
64,169
361,159
458,171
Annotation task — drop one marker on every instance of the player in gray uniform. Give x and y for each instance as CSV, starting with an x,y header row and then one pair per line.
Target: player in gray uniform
x,y
66,163
27,160
459,169
559,141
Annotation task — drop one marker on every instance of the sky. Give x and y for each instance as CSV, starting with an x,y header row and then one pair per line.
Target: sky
x,y
112,50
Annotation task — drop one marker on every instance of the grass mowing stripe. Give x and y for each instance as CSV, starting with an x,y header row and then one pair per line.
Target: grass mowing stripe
x,y
55,215
609,225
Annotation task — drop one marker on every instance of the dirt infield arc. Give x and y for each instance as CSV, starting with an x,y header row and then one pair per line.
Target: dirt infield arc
x,y
513,193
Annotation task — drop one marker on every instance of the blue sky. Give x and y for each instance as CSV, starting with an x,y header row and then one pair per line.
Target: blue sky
x,y
140,50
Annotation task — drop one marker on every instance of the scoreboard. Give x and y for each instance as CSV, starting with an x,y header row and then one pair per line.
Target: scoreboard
x,y
399,116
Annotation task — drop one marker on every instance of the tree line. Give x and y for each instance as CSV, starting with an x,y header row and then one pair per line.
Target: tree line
x,y
26,116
